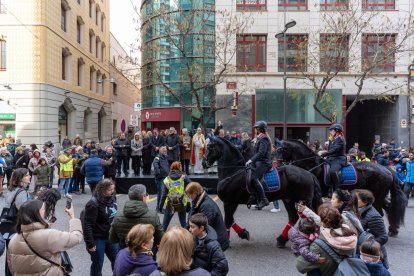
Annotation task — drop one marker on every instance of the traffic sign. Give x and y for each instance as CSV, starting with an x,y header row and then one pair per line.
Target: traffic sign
x,y
403,123
134,120
137,107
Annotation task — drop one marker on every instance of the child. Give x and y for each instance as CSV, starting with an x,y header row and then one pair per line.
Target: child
x,y
399,171
301,239
207,252
371,255
42,172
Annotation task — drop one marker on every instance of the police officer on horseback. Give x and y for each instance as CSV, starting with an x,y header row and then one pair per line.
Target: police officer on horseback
x,y
335,154
260,162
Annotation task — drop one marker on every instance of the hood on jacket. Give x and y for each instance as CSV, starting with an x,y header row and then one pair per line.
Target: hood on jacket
x,y
135,208
339,241
141,259
175,175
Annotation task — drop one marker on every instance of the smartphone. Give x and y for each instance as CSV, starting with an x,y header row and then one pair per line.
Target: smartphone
x,y
68,203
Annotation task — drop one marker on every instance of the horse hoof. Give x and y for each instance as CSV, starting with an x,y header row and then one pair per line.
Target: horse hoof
x,y
245,235
281,242
392,234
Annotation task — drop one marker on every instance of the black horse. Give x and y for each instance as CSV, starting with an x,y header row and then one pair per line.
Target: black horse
x,y
378,179
296,185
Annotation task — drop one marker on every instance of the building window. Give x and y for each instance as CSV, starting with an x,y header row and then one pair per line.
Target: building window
x,y
3,55
3,6
79,29
334,53
251,5
378,52
296,53
91,40
103,22
378,4
92,79
103,49
90,8
97,15
293,5
98,82
81,69
97,43
334,5
65,64
114,88
63,16
251,53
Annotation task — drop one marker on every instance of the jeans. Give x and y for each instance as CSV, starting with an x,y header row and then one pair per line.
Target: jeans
x,y
123,160
103,247
159,184
276,204
64,183
182,216
407,189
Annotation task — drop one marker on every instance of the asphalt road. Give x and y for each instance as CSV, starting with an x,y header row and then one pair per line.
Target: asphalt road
x,y
259,256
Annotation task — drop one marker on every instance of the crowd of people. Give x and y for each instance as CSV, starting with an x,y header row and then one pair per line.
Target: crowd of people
x,y
133,238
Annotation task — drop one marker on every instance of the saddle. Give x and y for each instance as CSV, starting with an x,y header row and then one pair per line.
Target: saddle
x,y
347,175
270,181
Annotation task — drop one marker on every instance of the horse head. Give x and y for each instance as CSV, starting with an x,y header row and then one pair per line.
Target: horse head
x,y
213,153
222,150
294,150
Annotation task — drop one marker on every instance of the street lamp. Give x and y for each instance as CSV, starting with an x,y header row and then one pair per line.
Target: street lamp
x,y
282,34
409,107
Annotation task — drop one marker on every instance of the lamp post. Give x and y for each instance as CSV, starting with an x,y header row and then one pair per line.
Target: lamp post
x,y
410,78
282,34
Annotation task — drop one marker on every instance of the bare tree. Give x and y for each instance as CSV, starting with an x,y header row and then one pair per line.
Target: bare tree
x,y
351,42
186,55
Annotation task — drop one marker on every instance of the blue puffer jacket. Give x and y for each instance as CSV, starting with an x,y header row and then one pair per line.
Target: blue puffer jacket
x,y
410,171
93,169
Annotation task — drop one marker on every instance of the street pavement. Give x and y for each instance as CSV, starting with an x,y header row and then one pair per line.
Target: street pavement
x,y
259,256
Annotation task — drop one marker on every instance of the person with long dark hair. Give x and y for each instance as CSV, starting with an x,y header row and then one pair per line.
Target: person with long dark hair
x,y
98,216
36,240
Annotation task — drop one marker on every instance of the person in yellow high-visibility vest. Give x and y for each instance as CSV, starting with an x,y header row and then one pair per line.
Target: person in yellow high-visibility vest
x,y
174,188
66,162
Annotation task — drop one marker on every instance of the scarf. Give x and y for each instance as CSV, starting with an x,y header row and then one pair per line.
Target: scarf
x,y
367,258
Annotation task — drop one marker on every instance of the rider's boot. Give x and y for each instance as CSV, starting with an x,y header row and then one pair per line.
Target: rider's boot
x,y
263,201
335,181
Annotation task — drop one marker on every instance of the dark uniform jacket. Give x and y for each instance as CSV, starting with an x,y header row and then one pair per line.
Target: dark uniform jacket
x,y
122,147
134,212
208,254
204,204
261,154
161,167
336,151
156,142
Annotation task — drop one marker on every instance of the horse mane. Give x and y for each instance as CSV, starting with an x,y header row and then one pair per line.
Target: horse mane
x,y
301,145
233,147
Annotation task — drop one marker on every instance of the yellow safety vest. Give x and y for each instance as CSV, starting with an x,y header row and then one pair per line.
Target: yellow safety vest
x,y
67,167
175,186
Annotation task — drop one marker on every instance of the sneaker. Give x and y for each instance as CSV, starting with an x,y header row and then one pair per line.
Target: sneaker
x,y
275,210
68,196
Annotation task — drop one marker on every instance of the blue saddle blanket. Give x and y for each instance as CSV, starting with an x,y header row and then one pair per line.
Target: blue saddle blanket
x,y
271,181
347,176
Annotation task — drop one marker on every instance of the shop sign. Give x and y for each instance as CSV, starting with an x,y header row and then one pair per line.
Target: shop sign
x,y
161,115
231,85
7,116
403,123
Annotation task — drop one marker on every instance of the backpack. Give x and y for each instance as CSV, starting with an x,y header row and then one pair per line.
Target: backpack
x,y
175,202
346,266
364,235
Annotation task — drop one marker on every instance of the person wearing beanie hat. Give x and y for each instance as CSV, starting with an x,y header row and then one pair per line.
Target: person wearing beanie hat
x,y
21,158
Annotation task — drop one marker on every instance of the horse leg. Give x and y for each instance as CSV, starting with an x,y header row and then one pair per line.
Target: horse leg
x,y
293,217
229,210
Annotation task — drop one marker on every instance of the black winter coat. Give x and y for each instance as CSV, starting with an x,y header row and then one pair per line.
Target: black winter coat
x,y
97,219
208,254
156,142
204,204
21,161
122,147
161,166
173,141
110,170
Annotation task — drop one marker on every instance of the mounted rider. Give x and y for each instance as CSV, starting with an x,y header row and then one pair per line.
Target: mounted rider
x,y
336,154
260,162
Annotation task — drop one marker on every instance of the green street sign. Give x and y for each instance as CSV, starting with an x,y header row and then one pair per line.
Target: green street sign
x,y
7,116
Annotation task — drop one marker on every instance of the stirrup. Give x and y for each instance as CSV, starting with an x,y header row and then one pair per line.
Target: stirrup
x,y
262,203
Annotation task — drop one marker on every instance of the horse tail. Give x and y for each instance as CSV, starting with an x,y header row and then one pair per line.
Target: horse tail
x,y
317,194
396,211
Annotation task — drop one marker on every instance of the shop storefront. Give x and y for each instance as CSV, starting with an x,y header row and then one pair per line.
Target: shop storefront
x,y
7,119
161,118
